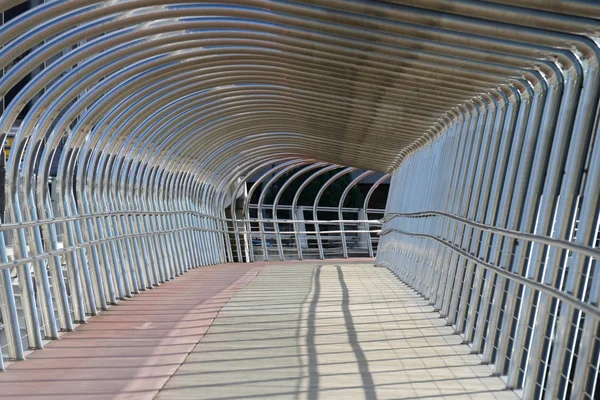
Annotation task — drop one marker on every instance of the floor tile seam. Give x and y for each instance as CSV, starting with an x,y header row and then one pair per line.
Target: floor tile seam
x,y
424,307
246,282
392,348
129,305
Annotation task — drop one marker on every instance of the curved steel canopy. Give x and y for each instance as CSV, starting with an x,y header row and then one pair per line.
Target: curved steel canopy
x,y
345,80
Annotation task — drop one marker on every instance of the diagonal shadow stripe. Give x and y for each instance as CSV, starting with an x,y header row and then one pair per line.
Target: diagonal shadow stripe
x,y
363,365
313,372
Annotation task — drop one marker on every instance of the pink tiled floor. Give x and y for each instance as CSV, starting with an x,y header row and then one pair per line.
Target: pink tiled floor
x,y
131,350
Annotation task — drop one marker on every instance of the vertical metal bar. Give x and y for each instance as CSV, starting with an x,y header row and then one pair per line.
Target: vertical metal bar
x,y
479,195
297,197
487,204
256,184
260,211
544,224
578,270
462,130
316,205
475,125
366,208
283,187
10,317
476,157
341,206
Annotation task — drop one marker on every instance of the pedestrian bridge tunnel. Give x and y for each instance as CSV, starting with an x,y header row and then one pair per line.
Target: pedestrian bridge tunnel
x,y
147,138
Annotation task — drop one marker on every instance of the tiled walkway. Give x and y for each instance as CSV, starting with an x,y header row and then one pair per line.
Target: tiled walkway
x,y
281,331
131,350
346,331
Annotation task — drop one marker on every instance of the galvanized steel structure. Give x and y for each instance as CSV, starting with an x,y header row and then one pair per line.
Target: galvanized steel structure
x,y
153,114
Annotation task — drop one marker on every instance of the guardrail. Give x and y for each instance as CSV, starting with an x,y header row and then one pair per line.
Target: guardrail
x,y
87,262
496,223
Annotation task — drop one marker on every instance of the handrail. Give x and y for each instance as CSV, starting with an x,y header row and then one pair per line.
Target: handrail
x,y
563,244
556,293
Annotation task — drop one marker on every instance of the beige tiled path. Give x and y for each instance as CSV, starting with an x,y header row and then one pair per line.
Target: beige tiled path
x,y
351,331
130,351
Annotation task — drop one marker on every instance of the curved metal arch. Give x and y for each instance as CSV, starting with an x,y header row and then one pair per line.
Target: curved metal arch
x,y
372,189
278,197
316,204
297,197
249,144
261,199
242,181
251,192
353,183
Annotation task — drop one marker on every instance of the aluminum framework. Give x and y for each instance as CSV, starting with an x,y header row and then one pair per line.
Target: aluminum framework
x,y
137,124
267,228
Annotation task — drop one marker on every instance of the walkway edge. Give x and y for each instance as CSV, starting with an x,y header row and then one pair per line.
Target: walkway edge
x,y
241,283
